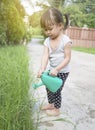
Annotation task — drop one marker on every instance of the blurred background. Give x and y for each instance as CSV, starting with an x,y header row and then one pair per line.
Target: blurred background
x,y
20,19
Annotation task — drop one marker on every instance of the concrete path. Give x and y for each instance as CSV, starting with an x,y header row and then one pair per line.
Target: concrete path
x,y
78,104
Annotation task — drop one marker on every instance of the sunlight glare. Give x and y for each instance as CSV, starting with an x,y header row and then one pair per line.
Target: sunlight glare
x,y
31,7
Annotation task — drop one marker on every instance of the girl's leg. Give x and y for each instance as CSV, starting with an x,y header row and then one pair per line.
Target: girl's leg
x,y
50,97
57,96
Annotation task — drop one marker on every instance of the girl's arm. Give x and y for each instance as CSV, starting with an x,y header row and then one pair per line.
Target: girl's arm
x,y
44,61
67,57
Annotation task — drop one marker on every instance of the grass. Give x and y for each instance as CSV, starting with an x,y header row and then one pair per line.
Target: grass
x,y
15,112
86,50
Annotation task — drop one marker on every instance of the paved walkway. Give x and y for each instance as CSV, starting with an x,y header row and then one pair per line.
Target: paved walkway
x,y
78,104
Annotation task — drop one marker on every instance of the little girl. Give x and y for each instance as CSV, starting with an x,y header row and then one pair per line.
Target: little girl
x,y
57,49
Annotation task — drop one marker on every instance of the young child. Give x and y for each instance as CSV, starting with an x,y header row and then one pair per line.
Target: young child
x,y
57,49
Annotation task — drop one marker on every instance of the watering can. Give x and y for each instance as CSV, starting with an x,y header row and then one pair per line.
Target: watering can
x,y
53,83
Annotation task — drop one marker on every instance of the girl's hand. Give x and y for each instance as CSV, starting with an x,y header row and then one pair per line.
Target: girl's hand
x,y
40,73
53,72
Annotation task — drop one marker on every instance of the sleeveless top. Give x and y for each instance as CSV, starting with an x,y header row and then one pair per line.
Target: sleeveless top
x,y
57,56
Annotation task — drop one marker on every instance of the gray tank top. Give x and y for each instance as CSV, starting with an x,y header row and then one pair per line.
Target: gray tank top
x,y
57,56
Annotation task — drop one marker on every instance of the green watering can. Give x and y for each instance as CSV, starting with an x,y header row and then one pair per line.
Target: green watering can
x,y
53,83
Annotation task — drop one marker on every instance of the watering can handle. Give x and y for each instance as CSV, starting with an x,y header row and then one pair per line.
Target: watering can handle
x,y
51,75
48,71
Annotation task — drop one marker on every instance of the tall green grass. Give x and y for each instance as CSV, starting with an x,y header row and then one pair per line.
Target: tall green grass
x,y
15,112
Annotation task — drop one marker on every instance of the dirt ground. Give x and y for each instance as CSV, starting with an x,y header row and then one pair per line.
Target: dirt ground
x,y
78,95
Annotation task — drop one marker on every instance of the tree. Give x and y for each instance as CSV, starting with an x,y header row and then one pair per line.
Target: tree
x,y
12,27
20,8
56,3
75,15
81,12
15,25
34,19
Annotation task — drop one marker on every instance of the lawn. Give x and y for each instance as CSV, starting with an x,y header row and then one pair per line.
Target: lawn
x,y
86,50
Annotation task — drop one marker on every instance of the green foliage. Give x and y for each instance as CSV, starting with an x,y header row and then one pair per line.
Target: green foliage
x,y
34,19
11,22
15,112
20,8
81,13
28,35
15,26
34,22
75,15
90,20
3,37
56,3
36,31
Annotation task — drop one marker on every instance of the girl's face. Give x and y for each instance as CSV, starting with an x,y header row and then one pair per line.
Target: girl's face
x,y
53,31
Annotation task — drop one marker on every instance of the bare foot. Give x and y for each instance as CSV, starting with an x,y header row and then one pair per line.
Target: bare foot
x,y
48,107
53,112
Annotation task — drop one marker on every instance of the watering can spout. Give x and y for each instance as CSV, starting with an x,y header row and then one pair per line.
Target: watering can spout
x,y
35,86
